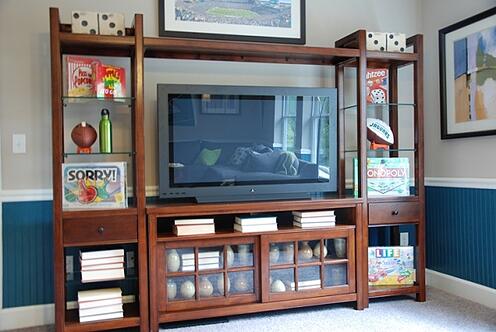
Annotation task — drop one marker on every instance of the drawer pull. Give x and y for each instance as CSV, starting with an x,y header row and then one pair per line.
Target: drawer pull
x,y
101,229
395,212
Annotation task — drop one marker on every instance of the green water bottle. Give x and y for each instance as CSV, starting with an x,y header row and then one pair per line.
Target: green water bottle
x,y
105,128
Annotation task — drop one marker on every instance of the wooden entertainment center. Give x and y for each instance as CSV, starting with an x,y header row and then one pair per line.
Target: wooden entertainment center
x,y
249,260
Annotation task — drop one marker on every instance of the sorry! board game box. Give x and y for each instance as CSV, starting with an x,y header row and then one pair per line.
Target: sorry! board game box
x,y
391,266
94,185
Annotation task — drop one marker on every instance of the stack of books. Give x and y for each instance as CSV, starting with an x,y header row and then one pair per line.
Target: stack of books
x,y
314,219
100,304
207,260
306,284
102,265
194,226
251,224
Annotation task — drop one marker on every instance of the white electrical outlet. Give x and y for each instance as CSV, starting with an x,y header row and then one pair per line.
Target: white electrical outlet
x,y
19,143
69,267
404,239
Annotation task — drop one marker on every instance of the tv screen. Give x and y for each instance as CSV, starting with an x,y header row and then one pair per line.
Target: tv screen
x,y
222,142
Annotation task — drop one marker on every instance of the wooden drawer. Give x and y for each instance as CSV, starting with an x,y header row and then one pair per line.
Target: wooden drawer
x,y
88,231
393,213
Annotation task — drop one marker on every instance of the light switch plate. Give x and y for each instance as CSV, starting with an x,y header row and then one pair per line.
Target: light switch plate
x,y
130,259
404,239
19,143
69,267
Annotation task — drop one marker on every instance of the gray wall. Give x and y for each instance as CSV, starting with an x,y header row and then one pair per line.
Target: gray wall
x,y
25,68
462,157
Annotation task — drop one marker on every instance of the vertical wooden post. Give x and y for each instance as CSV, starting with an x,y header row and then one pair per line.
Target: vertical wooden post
x,y
418,73
139,167
362,226
57,160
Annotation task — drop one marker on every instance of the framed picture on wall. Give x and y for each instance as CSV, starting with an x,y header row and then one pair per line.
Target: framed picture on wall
x,y
276,21
467,59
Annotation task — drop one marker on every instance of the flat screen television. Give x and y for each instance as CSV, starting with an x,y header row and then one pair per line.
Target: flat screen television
x,y
237,143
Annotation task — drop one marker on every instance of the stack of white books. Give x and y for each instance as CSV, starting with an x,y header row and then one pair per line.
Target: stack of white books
x,y
102,265
314,219
249,224
100,304
306,284
207,260
194,226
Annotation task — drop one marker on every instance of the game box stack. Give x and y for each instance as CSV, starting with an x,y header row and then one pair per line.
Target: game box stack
x,y
250,224
207,260
314,219
100,304
102,265
194,226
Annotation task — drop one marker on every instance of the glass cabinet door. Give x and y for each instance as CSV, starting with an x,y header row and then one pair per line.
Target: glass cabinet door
x,y
208,273
301,264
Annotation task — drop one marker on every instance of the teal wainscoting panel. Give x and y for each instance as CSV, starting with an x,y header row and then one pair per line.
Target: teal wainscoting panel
x,y
27,253
461,233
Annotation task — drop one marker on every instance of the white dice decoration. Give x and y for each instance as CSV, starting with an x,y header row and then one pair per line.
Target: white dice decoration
x,y
376,41
396,42
111,24
98,23
84,22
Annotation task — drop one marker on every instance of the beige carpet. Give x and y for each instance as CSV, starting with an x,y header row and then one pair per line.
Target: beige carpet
x,y
442,312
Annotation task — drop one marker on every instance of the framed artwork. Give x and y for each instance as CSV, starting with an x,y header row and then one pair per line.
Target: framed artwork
x,y
467,59
275,21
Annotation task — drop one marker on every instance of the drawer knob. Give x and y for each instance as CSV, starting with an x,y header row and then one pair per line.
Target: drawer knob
x,y
101,230
395,212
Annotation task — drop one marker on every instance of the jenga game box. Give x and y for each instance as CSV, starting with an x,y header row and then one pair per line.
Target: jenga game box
x,y
110,81
80,78
377,86
94,185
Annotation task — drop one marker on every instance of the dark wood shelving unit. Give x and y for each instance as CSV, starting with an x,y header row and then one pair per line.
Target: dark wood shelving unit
x,y
355,214
102,227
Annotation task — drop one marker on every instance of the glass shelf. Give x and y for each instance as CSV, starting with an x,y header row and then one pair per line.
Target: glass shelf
x,y
69,154
372,152
374,106
86,99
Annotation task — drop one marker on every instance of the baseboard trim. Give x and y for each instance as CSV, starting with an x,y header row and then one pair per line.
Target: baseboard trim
x,y
462,288
474,183
29,316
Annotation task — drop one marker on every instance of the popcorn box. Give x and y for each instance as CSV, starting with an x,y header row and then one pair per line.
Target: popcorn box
x,y
94,185
80,78
110,81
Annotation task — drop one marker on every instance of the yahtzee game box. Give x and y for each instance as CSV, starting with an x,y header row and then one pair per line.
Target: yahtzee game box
x,y
377,86
391,266
94,185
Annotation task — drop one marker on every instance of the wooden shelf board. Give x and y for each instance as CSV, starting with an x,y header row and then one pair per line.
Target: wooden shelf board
x,y
393,199
383,291
229,234
195,209
98,213
73,43
244,51
165,317
99,243
131,319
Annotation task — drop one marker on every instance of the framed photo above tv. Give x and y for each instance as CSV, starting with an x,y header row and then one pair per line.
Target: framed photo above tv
x,y
467,59
275,21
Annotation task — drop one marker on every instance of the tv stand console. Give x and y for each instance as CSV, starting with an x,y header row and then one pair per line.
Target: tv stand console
x,y
188,277
261,271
